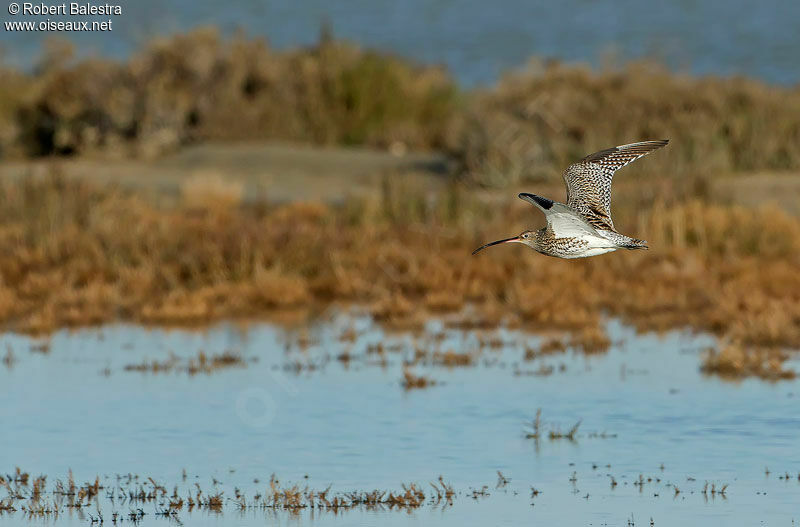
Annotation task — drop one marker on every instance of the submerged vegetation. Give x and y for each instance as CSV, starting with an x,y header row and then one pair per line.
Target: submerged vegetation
x,y
127,496
536,430
84,255
130,498
201,363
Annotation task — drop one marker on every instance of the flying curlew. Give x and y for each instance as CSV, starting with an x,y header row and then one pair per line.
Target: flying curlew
x,y
582,227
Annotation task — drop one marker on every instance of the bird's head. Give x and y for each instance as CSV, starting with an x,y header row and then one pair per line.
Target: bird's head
x,y
526,237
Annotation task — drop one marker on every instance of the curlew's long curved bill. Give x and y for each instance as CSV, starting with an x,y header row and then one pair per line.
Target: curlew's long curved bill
x,y
498,242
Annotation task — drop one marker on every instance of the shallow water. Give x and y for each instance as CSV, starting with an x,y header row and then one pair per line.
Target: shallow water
x,y
478,43
75,407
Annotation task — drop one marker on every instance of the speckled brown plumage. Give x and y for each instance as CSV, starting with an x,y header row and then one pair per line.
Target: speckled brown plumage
x,y
547,243
588,181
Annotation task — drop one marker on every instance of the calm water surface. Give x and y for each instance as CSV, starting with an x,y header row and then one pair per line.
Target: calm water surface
x,y
75,407
479,41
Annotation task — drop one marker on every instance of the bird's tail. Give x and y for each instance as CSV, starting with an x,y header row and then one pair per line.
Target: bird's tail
x,y
633,243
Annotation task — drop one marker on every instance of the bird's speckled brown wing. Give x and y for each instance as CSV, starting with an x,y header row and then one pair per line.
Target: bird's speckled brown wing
x,y
589,180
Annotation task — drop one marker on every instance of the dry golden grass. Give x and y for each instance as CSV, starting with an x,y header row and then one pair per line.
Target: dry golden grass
x,y
735,362
452,359
199,86
537,121
415,382
78,255
207,190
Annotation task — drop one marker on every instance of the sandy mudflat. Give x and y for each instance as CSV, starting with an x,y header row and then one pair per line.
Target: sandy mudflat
x,y
278,172
281,172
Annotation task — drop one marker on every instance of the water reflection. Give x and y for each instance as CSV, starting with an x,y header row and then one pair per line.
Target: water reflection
x,y
650,423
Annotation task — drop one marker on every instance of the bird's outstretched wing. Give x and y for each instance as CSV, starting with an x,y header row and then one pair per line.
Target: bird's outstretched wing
x,y
588,181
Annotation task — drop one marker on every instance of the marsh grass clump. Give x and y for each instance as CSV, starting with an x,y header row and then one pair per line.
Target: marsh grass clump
x,y
451,359
139,496
536,426
209,363
537,430
591,340
396,311
201,363
552,345
444,492
415,382
85,254
153,366
733,361
502,480
202,86
537,121
544,370
556,433
714,491
9,359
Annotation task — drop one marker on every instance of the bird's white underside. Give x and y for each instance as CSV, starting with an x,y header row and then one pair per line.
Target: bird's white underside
x,y
566,223
591,251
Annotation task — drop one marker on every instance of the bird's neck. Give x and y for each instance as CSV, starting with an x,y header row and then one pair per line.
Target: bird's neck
x,y
544,238
538,242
